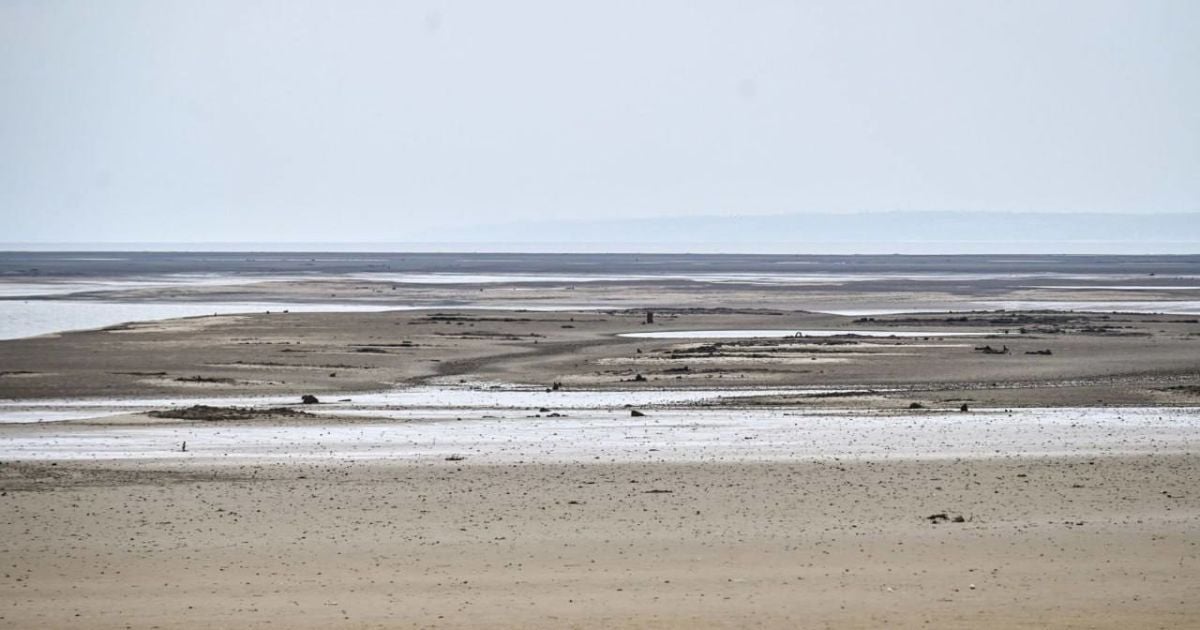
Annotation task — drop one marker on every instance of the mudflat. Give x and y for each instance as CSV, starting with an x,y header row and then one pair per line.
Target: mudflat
x,y
1011,358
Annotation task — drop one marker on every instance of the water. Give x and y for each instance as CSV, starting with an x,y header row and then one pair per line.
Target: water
x,y
783,278
388,404
1113,287
40,317
23,286
33,316
43,288
776,334
1171,307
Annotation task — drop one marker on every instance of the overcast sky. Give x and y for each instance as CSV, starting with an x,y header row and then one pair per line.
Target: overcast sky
x,y
390,121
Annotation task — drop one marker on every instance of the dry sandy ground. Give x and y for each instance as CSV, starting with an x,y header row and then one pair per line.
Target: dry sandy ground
x,y
1108,542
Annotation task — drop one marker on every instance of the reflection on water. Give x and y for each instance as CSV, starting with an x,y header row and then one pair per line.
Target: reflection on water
x,y
19,318
1113,287
776,334
386,404
1173,307
34,288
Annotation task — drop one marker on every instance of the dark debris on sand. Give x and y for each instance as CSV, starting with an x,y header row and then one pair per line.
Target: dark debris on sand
x,y
213,414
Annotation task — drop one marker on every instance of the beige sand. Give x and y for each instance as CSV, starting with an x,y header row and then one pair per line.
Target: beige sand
x,y
1067,542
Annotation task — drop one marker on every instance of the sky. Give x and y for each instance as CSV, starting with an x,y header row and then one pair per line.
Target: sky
x,y
164,120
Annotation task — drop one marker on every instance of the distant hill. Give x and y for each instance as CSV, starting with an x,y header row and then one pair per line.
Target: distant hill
x,y
881,227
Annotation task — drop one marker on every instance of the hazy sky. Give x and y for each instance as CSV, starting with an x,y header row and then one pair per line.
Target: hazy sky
x,y
390,121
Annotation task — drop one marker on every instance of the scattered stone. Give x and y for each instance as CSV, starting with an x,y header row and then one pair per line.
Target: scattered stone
x,y
309,399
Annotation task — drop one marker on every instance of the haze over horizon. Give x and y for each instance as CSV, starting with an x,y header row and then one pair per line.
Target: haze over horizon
x,y
136,121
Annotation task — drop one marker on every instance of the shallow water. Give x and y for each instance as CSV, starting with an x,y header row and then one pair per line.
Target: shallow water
x,y
1172,307
34,316
43,288
1112,287
28,318
387,404
36,286
782,333
776,278
666,435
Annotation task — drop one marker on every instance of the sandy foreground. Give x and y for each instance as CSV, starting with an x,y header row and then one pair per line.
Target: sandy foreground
x,y
1080,542
832,504
697,517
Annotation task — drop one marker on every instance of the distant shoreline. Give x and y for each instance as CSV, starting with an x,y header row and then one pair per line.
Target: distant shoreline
x,y
849,248
93,263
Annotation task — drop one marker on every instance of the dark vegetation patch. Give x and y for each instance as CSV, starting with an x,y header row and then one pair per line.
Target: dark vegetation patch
x,y
443,317
1190,390
205,379
760,348
700,311
862,392
208,413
